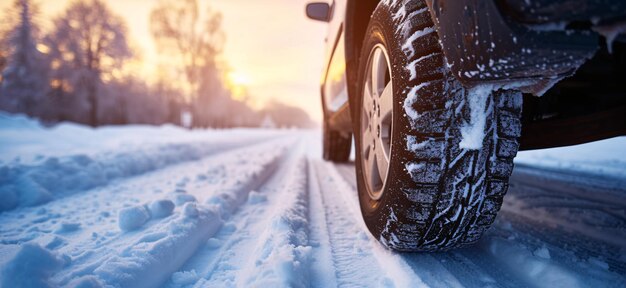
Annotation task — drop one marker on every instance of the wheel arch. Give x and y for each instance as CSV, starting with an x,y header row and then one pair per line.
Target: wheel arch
x,y
358,13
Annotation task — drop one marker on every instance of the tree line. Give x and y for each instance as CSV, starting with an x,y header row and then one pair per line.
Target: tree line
x,y
81,69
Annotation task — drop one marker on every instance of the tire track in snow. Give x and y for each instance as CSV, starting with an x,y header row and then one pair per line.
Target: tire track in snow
x,y
569,256
585,214
582,209
532,263
265,243
357,256
322,265
147,257
283,251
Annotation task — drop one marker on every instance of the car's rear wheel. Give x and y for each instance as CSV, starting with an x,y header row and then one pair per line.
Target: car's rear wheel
x,y
433,158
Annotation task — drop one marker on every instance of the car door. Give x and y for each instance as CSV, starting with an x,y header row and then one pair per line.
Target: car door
x,y
334,89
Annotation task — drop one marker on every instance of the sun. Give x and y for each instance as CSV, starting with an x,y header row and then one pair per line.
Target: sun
x,y
238,78
239,83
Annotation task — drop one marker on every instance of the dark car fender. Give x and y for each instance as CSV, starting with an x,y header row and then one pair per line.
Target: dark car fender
x,y
483,45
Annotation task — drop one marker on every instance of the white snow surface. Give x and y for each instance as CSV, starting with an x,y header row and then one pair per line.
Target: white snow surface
x,y
256,208
605,158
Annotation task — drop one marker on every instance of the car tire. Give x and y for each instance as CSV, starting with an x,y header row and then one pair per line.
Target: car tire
x,y
337,145
438,193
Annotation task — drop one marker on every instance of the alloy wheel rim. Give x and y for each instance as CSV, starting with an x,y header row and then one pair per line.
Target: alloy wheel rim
x,y
376,121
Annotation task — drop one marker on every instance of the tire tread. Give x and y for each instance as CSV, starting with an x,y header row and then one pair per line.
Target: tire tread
x,y
455,194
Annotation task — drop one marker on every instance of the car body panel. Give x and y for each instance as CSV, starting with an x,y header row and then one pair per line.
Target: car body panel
x,y
334,89
484,42
335,86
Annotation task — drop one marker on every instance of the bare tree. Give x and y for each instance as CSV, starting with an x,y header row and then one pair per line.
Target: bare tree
x,y
88,43
166,90
178,27
24,74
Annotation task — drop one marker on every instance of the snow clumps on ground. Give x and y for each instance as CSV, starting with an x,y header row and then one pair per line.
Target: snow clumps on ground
x,y
132,218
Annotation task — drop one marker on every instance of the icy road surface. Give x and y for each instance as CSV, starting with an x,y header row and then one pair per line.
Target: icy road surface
x,y
261,209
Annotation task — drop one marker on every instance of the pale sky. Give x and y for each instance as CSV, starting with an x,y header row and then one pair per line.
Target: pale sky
x,y
269,42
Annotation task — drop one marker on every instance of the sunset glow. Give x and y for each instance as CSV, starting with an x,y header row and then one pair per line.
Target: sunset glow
x,y
282,57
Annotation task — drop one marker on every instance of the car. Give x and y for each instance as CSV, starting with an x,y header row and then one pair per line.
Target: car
x,y
441,95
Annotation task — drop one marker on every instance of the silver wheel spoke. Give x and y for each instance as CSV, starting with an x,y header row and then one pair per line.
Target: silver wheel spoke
x,y
386,102
368,140
370,168
382,164
376,69
368,101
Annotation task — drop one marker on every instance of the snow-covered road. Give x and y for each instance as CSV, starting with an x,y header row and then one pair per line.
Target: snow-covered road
x,y
265,211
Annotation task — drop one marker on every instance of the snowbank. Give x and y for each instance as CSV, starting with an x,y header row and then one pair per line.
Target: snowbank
x,y
40,164
24,140
34,184
606,158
